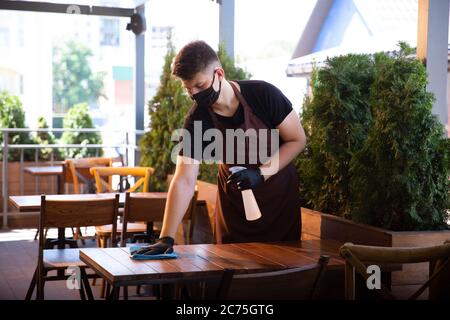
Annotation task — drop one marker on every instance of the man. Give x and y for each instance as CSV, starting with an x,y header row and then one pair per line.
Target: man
x,y
225,105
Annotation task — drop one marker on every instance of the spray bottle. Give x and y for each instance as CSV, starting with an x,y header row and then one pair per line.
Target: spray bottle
x,y
251,208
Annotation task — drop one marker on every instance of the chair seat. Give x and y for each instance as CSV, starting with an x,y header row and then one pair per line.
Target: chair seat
x,y
132,227
62,258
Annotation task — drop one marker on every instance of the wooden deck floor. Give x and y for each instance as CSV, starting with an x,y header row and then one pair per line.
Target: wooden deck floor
x,y
18,258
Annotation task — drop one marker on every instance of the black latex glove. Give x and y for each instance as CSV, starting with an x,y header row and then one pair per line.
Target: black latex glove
x,y
246,179
162,245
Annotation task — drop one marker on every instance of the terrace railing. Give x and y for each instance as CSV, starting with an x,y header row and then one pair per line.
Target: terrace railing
x,y
127,149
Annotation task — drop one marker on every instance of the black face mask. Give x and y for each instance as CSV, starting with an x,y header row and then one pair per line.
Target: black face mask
x,y
208,96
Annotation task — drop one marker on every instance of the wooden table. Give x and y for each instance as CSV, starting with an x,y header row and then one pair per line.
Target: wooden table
x,y
45,171
33,203
201,261
57,170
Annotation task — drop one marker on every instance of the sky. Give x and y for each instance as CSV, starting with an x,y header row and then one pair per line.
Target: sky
x,y
267,28
266,33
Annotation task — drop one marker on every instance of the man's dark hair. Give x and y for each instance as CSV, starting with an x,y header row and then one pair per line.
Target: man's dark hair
x,y
194,57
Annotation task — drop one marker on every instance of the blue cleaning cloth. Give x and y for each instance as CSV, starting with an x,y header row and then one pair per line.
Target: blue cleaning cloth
x,y
172,255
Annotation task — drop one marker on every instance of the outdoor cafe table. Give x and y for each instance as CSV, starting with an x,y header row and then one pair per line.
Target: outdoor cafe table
x,y
44,170
200,261
33,203
56,169
51,170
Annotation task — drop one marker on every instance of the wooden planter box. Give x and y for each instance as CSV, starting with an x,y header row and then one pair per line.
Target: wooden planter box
x,y
318,225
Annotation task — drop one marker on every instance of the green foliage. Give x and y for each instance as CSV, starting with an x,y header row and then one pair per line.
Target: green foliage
x,y
73,80
401,173
13,116
167,111
78,117
232,72
336,122
375,153
46,138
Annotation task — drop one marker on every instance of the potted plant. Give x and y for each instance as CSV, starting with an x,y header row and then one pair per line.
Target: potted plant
x,y
79,117
12,116
377,163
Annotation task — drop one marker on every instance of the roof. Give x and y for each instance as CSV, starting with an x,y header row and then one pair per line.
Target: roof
x,y
338,27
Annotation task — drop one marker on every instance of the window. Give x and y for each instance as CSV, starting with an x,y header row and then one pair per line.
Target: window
x,y
110,32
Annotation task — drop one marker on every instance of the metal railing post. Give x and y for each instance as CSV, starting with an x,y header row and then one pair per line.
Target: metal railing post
x,y
36,178
21,172
6,147
5,179
126,148
52,180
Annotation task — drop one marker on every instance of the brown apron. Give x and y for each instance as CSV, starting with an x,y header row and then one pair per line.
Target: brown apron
x,y
277,197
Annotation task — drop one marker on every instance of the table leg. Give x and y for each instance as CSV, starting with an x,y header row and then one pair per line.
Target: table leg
x,y
114,295
167,291
61,241
59,184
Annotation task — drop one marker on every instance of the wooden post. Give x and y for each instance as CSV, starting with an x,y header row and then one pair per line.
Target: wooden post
x,y
432,49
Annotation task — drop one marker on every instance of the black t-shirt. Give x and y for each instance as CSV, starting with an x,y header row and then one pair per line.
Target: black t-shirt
x,y
268,103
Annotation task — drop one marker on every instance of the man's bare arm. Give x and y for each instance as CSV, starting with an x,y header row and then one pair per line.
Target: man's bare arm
x,y
293,135
180,194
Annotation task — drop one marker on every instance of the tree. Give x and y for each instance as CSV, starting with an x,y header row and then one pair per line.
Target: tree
x,y
78,117
232,72
400,175
167,110
336,121
73,79
13,116
46,137
375,152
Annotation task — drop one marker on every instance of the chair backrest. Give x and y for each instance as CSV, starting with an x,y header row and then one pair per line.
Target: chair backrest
x,y
357,258
77,171
142,207
290,284
77,213
106,186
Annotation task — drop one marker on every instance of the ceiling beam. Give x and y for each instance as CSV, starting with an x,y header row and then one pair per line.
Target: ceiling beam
x,y
49,7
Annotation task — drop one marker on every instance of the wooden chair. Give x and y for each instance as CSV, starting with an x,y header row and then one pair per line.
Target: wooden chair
x,y
290,284
67,213
77,171
102,185
200,227
138,208
150,210
106,186
135,229
357,258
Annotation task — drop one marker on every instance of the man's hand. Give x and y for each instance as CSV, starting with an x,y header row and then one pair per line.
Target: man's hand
x,y
246,179
162,245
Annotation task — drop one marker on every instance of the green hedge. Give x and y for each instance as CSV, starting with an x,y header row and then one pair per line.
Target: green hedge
x,y
12,115
79,117
375,152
